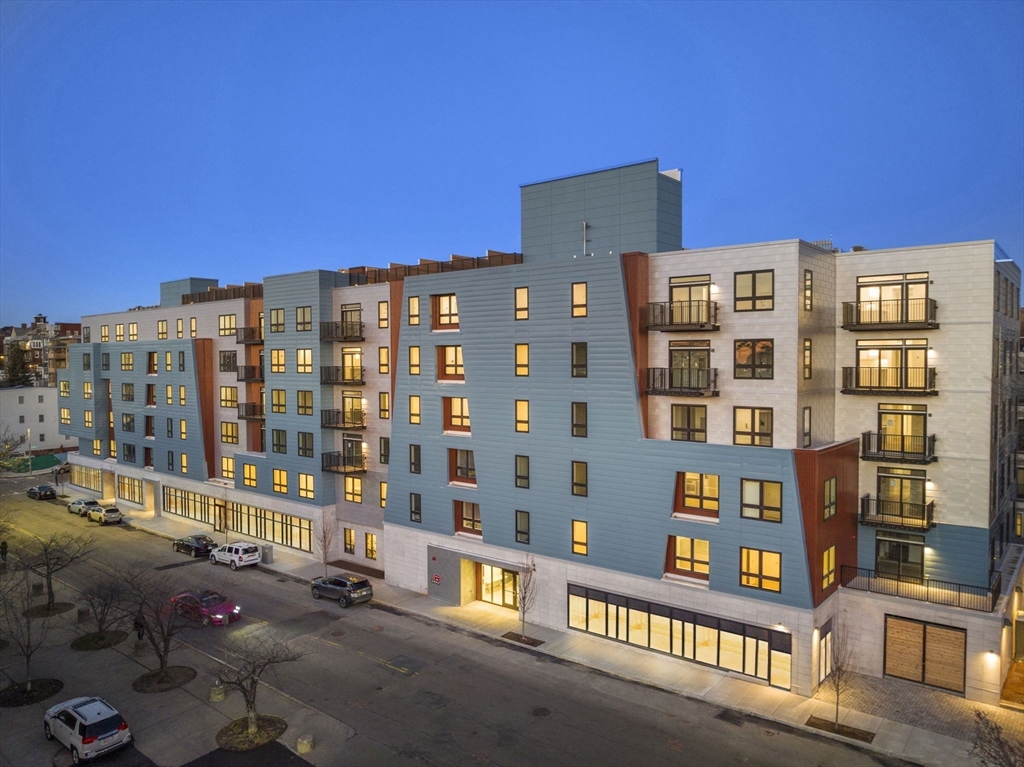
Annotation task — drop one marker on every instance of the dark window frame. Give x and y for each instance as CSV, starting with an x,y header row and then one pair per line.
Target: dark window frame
x,y
759,572
580,488
686,433
754,298
753,434
579,419
761,511
578,351
415,459
522,480
522,527
755,368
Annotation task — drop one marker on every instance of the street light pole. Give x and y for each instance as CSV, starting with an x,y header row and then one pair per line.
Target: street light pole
x,y
28,432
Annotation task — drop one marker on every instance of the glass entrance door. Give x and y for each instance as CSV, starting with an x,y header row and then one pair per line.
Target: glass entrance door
x,y
900,559
499,587
689,364
689,302
902,432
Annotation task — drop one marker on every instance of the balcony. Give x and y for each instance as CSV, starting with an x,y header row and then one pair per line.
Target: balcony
x,y
916,382
251,373
895,314
341,331
343,463
897,514
683,382
342,419
927,590
249,335
897,448
251,411
669,316
348,374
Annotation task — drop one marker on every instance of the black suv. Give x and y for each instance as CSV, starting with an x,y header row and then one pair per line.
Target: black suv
x,y
346,588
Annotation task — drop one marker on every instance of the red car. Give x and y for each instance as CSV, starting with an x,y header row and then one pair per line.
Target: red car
x,y
206,607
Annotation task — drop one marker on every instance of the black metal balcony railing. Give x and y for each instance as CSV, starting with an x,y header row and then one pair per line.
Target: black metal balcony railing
x,y
683,382
894,314
897,448
249,335
914,381
897,514
342,419
925,590
342,374
251,411
343,463
341,331
250,373
682,315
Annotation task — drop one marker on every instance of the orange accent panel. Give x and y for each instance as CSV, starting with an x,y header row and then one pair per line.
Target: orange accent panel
x,y
202,350
396,290
637,276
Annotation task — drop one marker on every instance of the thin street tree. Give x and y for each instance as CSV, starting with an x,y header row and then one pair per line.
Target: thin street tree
x,y
48,556
19,624
255,653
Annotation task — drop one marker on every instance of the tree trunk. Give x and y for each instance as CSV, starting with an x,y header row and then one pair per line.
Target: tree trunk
x,y
250,712
28,674
837,707
50,596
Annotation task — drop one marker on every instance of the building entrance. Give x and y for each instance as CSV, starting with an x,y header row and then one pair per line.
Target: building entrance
x,y
499,587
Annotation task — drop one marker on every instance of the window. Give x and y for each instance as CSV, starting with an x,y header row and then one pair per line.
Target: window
x,y
456,413
808,290
690,557
226,324
523,471
449,364
170,459
696,493
579,360
167,361
228,362
127,422
752,426
354,489
385,450
86,389
305,448
86,335
104,333
192,334
522,359
414,310
579,478
414,408
119,332
133,331
150,426
383,360
87,418
280,481
65,388
414,360
304,361
170,428
65,416
383,495
152,363
278,401
183,461
690,423
445,312
753,359
808,368
229,432
579,537
807,427
151,395
87,361
181,362
127,392
382,314
306,486
277,320
579,299
828,567
461,466
227,467
384,407
183,429
229,396
522,526
830,498
350,541
179,329
127,361
128,453
279,440
304,322
761,499
304,402
579,419
370,542
522,303
161,330
414,459
892,363
761,569
169,394
755,291
104,361
467,518
415,507
523,415
181,396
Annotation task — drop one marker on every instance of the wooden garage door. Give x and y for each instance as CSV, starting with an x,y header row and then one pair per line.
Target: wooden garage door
x,y
925,652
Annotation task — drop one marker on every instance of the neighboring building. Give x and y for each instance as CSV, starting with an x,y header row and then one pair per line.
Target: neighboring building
x,y
709,453
46,346
29,415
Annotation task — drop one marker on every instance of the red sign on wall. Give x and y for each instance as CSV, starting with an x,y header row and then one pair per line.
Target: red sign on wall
x,y
437,579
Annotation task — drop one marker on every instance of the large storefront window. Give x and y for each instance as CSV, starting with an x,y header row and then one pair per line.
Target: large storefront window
x,y
187,504
272,526
130,490
499,587
90,479
726,644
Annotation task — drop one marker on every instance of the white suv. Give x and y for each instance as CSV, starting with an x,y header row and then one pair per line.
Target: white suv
x,y
237,554
87,726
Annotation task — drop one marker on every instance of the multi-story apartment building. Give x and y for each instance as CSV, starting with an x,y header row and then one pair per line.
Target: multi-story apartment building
x,y
29,418
45,344
716,454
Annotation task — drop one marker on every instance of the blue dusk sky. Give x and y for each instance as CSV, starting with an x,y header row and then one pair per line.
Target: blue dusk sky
x,y
147,141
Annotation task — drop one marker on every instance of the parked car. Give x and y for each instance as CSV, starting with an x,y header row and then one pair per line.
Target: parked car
x,y
42,492
110,516
87,726
206,607
198,545
237,554
348,589
81,506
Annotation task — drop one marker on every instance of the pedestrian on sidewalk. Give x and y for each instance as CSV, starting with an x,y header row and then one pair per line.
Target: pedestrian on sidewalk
x,y
3,551
139,626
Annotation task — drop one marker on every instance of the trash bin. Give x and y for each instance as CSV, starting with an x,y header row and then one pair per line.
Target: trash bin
x,y
267,554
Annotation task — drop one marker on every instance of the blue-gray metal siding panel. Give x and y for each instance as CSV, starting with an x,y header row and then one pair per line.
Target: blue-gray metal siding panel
x,y
953,553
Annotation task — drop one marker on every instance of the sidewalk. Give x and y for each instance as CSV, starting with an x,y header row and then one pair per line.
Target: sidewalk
x,y
920,725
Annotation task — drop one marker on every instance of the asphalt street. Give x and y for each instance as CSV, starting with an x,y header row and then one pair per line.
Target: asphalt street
x,y
420,693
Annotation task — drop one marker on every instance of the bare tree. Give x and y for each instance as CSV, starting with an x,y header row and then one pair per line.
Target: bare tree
x,y
6,521
149,600
48,556
109,602
325,541
840,657
526,589
255,652
991,747
10,460
26,632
